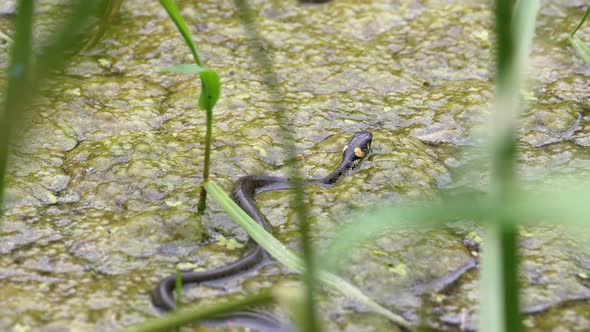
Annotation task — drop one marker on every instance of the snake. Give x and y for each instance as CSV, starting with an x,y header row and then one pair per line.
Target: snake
x,y
243,194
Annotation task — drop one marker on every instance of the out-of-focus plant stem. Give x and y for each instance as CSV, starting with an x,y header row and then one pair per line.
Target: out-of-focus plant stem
x,y
265,67
19,72
27,72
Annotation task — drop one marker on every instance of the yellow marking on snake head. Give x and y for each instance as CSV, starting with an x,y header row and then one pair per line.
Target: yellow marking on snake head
x,y
359,152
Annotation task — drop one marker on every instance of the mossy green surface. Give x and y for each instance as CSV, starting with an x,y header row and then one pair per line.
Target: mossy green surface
x,y
102,191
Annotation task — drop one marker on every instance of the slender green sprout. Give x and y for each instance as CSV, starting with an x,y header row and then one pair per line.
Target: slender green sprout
x,y
210,91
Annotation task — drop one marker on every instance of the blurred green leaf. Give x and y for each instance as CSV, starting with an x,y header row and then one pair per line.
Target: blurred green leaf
x,y
191,314
174,14
542,204
366,227
210,89
28,70
110,10
184,68
584,18
581,48
19,72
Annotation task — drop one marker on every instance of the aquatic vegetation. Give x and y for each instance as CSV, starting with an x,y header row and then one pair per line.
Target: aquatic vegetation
x,y
210,89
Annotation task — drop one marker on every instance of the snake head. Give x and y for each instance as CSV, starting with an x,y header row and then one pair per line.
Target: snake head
x,y
357,149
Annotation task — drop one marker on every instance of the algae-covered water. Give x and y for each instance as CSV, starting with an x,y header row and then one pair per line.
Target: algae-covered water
x,y
102,189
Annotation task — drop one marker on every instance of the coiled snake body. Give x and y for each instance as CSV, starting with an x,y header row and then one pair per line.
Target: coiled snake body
x,y
244,191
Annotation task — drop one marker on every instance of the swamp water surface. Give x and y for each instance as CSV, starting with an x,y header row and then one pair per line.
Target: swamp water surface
x,y
102,190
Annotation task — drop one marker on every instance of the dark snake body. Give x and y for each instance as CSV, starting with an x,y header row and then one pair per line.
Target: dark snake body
x,y
244,192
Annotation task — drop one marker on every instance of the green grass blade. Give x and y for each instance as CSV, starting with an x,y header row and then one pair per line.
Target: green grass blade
x,y
210,83
191,314
581,48
170,7
277,250
582,21
256,232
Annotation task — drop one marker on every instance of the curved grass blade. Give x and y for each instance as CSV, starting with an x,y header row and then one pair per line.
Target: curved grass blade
x,y
582,21
191,314
581,48
541,204
277,250
170,7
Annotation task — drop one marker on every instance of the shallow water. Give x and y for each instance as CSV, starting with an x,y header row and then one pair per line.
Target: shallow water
x,y
102,190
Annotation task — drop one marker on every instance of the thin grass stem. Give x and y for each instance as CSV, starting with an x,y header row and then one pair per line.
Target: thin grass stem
x,y
210,89
192,314
265,64
19,72
582,21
